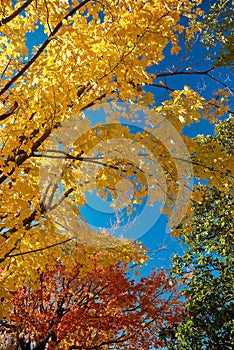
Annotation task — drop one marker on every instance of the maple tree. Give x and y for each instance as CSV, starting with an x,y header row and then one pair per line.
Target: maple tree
x,y
102,310
89,52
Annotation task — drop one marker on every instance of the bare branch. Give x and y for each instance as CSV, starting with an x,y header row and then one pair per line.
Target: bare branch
x,y
169,74
162,86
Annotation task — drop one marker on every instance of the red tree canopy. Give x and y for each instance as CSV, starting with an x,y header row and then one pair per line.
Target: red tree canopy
x,y
101,310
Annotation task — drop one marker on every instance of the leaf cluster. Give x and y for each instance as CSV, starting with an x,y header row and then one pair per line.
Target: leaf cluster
x,y
206,267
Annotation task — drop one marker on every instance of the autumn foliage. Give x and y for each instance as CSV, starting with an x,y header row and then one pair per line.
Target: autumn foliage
x,y
100,310
59,58
89,52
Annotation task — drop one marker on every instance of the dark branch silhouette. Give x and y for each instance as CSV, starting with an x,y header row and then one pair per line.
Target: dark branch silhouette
x,y
42,47
15,13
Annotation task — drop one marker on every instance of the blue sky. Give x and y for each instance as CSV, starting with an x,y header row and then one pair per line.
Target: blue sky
x,y
158,235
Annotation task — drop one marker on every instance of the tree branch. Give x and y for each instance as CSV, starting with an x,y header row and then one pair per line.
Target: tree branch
x,y
42,47
39,249
168,74
20,157
162,86
16,13
10,112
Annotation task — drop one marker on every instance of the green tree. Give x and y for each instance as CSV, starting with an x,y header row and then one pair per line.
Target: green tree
x,y
89,51
206,267
218,31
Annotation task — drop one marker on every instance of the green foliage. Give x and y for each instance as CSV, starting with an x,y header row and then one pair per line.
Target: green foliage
x,y
206,268
218,32
207,271
225,135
